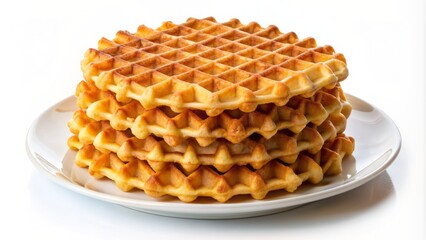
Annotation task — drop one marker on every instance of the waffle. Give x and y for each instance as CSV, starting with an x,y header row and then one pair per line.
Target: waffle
x,y
208,109
210,66
190,155
206,182
234,126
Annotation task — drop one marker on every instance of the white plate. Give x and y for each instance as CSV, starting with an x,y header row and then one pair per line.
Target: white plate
x,y
377,144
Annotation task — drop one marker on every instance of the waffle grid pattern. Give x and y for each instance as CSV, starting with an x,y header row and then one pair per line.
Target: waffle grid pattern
x,y
202,64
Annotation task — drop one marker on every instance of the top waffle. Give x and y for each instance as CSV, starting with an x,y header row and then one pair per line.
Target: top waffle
x,y
210,66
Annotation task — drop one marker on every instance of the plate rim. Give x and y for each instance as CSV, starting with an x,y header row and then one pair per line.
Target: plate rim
x,y
219,210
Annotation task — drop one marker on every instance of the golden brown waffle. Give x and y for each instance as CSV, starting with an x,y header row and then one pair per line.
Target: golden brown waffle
x,y
210,66
234,126
211,109
206,182
190,155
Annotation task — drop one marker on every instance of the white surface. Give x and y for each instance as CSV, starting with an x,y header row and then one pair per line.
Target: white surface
x,y
383,41
378,143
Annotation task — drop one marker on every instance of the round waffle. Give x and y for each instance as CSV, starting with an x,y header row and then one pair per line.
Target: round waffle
x,y
190,155
206,182
234,126
210,66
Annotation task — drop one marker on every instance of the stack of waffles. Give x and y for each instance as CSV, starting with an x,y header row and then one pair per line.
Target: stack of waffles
x,y
208,109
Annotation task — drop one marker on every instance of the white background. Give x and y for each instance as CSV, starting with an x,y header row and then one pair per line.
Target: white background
x,y
42,43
